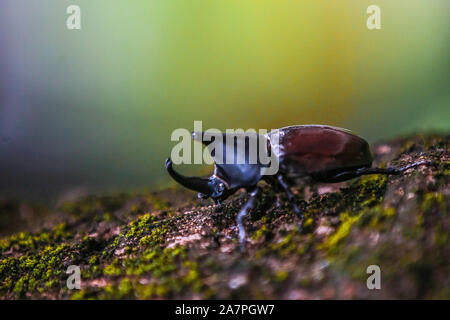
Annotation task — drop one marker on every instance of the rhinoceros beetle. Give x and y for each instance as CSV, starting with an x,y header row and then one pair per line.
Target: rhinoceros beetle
x,y
322,153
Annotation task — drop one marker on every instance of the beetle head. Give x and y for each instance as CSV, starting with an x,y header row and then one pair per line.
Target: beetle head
x,y
227,177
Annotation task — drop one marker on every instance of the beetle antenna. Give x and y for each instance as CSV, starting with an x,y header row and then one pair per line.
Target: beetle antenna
x,y
193,183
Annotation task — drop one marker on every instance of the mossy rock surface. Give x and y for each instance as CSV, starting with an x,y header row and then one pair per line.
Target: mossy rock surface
x,y
167,244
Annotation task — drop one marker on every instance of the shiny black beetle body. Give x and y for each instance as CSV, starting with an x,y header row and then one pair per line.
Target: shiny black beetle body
x,y
322,153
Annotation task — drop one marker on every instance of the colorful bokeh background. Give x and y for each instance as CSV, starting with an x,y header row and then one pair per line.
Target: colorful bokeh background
x,y
95,107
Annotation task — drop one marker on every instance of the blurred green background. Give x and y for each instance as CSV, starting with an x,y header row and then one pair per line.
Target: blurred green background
x,y
95,107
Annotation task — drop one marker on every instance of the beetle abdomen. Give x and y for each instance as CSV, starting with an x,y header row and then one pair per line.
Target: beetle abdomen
x,y
317,149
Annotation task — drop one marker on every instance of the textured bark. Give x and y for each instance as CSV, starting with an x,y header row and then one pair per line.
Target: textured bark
x,y
168,244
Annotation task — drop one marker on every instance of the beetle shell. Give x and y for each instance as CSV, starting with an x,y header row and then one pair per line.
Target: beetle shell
x,y
315,150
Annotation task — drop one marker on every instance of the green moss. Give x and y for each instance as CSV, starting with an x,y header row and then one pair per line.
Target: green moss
x,y
262,232
434,199
95,206
107,217
79,295
365,192
93,260
289,245
142,225
125,287
347,221
281,276
113,269
169,268
157,202
21,285
38,265
377,218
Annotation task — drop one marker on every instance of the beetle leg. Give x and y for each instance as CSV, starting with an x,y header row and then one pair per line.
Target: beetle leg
x,y
242,213
342,176
409,166
291,198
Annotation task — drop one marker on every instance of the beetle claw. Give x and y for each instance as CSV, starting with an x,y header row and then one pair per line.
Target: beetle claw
x,y
202,196
219,205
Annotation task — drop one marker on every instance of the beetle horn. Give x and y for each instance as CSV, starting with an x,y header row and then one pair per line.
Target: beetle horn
x,y
194,183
